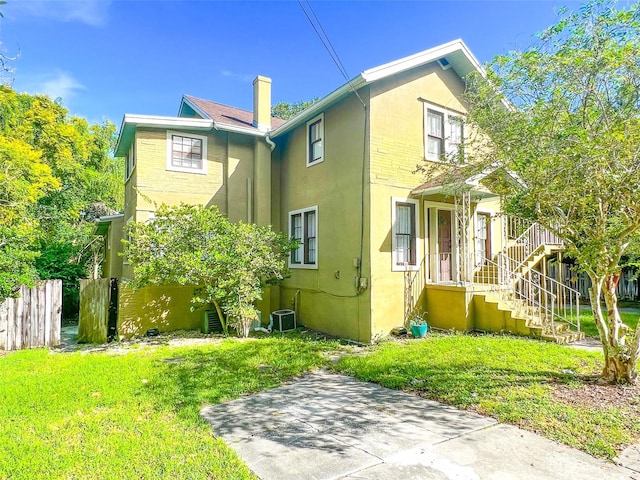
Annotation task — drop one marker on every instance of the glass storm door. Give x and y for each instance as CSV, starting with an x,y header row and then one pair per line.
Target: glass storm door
x,y
445,244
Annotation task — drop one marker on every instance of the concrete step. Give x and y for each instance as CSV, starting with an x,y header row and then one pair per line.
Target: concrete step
x,y
560,327
563,337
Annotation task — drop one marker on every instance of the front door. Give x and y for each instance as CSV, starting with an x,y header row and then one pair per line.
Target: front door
x,y
483,238
445,246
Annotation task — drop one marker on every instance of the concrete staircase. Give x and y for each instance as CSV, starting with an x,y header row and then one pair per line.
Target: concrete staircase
x,y
517,318
512,296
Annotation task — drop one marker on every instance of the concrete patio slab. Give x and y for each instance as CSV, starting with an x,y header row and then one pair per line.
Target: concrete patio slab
x,y
630,458
326,426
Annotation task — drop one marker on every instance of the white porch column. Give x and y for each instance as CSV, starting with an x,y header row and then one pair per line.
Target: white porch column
x,y
464,270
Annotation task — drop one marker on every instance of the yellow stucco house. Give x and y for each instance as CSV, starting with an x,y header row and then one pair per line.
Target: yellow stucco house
x,y
377,241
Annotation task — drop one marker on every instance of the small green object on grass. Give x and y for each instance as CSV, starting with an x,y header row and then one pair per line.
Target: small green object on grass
x,y
418,323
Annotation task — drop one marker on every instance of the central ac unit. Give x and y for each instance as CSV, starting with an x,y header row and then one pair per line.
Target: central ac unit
x,y
211,322
284,320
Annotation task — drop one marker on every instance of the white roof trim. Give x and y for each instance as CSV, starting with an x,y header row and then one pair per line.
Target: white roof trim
x,y
421,58
156,121
195,108
319,106
108,218
378,73
130,122
238,129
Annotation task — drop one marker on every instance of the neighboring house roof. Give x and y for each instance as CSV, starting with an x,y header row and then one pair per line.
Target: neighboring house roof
x,y
456,55
224,114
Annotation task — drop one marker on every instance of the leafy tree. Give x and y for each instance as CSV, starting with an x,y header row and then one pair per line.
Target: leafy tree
x,y
66,170
286,110
564,116
196,245
24,180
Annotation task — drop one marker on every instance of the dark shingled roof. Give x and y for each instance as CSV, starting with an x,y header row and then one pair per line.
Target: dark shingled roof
x,y
229,115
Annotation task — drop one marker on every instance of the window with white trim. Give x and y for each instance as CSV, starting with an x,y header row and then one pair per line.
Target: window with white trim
x,y
315,140
125,260
303,227
186,152
130,161
444,134
404,217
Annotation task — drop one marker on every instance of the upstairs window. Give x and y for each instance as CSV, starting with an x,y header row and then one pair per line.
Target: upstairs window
x,y
130,161
303,225
455,138
315,140
186,152
444,134
435,134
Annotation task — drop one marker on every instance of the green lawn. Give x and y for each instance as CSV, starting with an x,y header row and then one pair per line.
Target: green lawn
x,y
134,413
510,379
588,326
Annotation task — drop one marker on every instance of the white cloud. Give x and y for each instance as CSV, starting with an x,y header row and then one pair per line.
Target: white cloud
x,y
91,12
243,77
56,85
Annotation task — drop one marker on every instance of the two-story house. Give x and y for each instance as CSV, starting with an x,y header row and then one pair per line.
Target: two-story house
x,y
377,240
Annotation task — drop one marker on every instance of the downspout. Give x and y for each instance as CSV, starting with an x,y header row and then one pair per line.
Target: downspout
x,y
269,142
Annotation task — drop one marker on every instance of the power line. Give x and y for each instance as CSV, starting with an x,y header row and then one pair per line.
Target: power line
x,y
326,42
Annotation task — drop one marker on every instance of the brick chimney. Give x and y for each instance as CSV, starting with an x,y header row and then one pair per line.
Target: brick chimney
x,y
262,103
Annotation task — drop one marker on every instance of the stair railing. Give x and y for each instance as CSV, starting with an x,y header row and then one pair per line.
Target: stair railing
x,y
521,248
559,301
414,280
567,308
524,294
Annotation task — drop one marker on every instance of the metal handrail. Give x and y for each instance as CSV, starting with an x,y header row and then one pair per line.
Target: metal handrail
x,y
535,296
534,237
414,281
542,295
553,289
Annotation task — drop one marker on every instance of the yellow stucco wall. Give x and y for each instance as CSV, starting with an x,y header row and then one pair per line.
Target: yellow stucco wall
x,y
157,184
164,308
397,147
492,316
327,298
229,183
449,307
239,177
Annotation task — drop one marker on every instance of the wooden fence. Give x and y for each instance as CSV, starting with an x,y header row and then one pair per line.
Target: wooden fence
x,y
33,319
627,287
95,297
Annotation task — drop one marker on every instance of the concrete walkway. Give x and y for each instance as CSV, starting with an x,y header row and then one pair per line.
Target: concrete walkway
x,y
326,426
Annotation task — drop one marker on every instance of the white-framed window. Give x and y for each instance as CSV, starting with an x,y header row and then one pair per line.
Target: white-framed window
x,y
186,152
404,240
315,140
303,227
130,160
443,134
125,260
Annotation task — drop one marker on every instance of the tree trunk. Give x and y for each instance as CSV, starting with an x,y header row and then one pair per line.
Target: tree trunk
x,y
620,356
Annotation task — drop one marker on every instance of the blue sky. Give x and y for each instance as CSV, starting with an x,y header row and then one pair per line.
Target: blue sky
x,y
107,58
